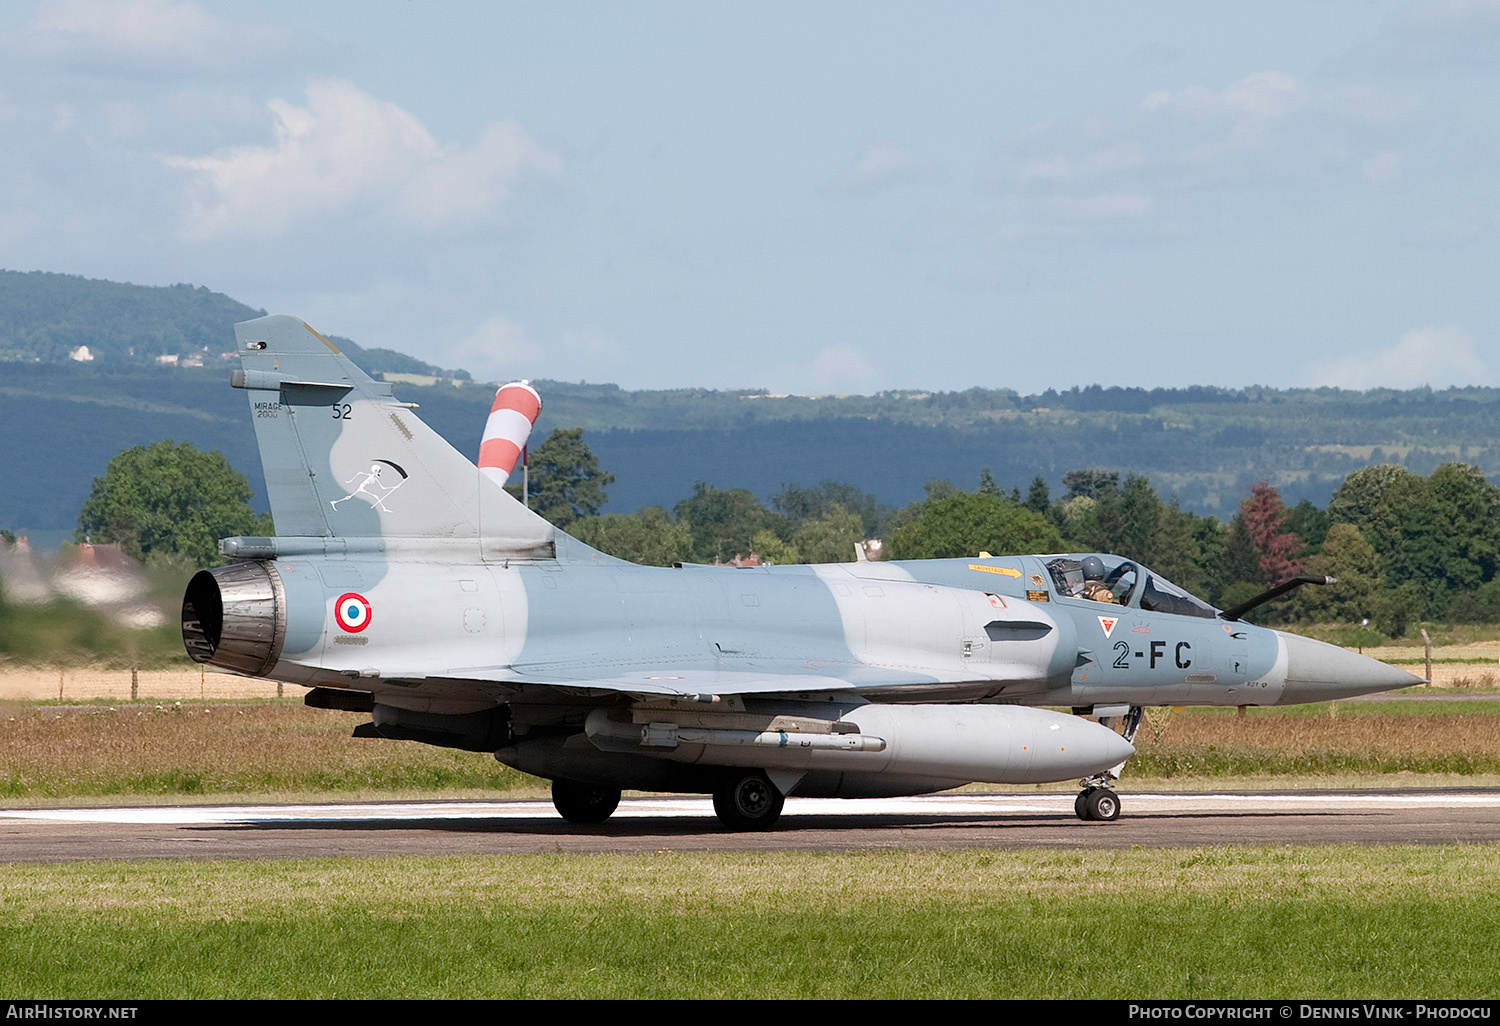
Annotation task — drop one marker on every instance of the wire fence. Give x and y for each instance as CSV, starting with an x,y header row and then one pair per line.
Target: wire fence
x,y
83,684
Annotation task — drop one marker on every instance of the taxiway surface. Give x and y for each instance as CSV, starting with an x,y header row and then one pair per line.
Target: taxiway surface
x,y
687,824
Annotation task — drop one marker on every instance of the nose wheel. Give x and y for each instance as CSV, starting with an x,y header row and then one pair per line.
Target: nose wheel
x,y
1097,803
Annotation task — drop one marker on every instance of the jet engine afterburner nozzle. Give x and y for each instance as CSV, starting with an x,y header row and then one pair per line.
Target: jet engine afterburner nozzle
x,y
234,617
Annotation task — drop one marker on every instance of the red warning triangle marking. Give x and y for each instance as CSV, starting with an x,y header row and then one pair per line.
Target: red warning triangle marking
x,y
1108,623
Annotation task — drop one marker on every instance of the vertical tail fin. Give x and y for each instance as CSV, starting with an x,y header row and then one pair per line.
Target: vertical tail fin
x,y
344,459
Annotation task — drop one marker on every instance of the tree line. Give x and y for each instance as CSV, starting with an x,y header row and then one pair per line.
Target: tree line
x,y
1403,547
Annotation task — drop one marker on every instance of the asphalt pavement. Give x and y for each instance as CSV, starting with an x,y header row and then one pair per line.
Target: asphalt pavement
x,y
649,824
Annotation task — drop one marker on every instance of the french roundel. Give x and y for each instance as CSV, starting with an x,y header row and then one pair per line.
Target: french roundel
x,y
352,611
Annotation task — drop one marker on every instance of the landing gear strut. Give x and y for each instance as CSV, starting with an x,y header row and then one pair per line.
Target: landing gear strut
x,y
1097,800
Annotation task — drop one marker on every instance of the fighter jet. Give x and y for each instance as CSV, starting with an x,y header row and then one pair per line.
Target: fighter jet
x,y
408,584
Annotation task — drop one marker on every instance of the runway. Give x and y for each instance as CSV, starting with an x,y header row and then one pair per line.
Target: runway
x,y
687,824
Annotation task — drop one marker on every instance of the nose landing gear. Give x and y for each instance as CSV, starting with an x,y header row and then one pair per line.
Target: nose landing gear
x,y
1098,801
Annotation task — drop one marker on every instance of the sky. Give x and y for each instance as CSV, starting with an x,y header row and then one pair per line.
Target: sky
x,y
812,197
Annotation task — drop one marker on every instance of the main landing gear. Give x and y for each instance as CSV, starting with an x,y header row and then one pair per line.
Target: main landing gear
x,y
1098,800
744,799
747,800
584,803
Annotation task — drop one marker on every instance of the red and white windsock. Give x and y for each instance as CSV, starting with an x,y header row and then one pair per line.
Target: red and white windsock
x,y
512,415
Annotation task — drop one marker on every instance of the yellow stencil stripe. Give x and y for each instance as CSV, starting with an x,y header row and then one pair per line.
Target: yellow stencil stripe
x,y
320,338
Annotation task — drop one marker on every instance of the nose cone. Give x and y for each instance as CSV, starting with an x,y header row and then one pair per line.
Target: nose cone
x,y
1318,672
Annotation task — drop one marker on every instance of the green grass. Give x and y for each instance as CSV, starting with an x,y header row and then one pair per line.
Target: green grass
x,y
1339,740
1226,763
234,750
280,750
424,772
1236,922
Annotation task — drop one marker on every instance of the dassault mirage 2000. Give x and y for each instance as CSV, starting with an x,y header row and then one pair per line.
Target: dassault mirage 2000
x,y
407,584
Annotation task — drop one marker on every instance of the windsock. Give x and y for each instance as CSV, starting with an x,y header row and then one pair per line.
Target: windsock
x,y
512,415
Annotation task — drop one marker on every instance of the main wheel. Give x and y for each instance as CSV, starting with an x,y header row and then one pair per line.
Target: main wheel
x,y
1080,806
1102,804
747,800
584,803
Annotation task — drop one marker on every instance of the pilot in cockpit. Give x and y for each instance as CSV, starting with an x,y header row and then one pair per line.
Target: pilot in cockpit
x,y
1093,581
1081,578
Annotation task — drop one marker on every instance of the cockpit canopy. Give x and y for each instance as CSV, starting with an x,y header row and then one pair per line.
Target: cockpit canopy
x,y
1114,580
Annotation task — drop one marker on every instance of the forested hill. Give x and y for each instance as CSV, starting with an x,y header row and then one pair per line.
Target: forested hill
x,y
53,318
46,317
1207,446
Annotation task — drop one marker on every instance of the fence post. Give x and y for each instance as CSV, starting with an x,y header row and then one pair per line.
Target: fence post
x,y
1427,645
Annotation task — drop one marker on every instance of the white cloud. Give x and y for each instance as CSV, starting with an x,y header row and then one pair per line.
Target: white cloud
x,y
64,117
502,348
880,166
132,37
1438,356
94,93
1383,169
1435,35
349,153
496,344
1180,154
1106,161
1263,96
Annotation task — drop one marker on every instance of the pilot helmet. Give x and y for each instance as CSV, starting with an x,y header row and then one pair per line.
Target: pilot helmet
x,y
1093,568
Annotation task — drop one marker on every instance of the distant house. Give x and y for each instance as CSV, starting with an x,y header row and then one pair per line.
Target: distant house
x,y
81,354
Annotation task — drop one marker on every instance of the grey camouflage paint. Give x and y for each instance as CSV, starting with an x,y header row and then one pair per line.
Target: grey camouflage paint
x,y
457,600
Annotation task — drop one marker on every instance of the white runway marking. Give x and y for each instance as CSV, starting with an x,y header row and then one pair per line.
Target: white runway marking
x,y
690,807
